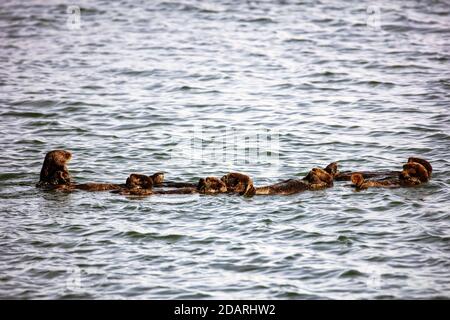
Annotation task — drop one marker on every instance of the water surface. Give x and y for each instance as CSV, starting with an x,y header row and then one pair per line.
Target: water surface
x,y
124,91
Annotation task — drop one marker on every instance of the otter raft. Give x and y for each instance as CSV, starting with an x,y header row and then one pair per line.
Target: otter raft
x,y
55,176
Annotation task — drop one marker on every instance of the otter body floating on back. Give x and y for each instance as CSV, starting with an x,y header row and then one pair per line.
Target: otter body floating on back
x,y
316,179
415,172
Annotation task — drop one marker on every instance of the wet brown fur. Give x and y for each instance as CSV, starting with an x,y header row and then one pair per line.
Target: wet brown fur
x,y
211,185
316,179
239,183
413,174
54,169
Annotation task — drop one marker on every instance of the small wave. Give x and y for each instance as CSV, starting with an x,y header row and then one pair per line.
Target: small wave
x,y
152,236
351,274
262,20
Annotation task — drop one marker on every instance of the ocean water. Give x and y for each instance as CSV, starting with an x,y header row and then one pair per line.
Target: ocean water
x,y
194,88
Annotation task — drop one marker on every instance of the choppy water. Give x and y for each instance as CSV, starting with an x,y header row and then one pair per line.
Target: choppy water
x,y
335,79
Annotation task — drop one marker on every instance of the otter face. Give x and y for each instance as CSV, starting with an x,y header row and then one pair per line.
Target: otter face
x,y
59,157
158,177
139,181
357,179
424,163
238,182
414,170
54,170
211,185
317,175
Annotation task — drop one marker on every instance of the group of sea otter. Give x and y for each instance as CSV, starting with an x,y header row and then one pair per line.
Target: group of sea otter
x,y
55,175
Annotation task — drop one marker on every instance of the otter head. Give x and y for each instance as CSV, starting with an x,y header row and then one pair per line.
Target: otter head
x,y
318,175
424,163
211,185
357,179
158,178
332,169
413,171
139,181
239,183
54,170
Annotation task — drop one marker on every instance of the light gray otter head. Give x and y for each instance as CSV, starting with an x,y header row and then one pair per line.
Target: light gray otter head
x,y
239,183
211,185
54,169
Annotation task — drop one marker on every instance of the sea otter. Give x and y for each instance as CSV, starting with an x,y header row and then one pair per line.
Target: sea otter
x,y
413,174
54,170
316,179
143,181
140,184
383,174
360,183
239,183
424,163
211,185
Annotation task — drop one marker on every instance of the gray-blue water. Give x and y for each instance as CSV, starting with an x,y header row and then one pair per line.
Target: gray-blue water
x,y
363,83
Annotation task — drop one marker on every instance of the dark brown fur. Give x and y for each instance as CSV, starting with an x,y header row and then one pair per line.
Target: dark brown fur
x,y
211,185
383,174
239,183
413,174
332,169
145,182
316,179
424,163
54,169
360,183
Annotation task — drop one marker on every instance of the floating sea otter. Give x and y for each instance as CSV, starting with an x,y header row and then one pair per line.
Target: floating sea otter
x,y
386,174
316,179
55,175
415,172
54,170
239,183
